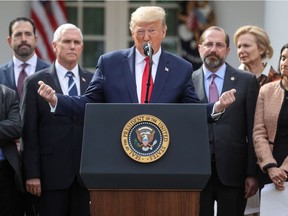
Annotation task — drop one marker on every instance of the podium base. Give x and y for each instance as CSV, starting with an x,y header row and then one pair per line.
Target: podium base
x,y
144,203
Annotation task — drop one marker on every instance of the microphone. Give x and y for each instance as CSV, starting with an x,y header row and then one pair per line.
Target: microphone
x,y
148,50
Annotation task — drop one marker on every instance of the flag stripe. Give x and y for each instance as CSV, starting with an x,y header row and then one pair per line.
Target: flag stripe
x,y
41,33
59,8
47,15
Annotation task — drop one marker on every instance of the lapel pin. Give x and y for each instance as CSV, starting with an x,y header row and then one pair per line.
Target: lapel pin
x,y
166,69
83,79
232,78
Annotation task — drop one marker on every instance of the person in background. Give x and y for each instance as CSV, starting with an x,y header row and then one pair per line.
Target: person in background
x,y
52,145
194,17
118,75
270,132
10,169
233,160
22,39
254,50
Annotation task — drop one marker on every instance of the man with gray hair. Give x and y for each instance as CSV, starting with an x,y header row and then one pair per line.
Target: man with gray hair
x,y
52,145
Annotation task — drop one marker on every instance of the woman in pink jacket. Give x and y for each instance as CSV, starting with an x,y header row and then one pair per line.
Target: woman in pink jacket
x,y
271,127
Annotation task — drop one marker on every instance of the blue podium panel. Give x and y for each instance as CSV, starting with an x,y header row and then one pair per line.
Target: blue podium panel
x,y
183,162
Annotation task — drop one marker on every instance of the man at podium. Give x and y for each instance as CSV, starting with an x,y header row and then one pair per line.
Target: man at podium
x,y
118,75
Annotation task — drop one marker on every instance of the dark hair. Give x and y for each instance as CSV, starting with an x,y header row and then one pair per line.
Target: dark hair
x,y
227,39
285,46
25,19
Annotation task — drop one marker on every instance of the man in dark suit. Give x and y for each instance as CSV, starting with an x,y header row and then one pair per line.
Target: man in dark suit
x,y
52,145
10,171
233,161
22,39
118,76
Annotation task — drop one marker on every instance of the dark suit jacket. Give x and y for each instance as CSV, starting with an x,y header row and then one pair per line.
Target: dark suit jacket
x,y
234,152
10,130
7,76
114,82
52,145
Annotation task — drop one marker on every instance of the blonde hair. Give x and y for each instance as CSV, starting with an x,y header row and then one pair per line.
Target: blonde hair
x,y
147,14
262,39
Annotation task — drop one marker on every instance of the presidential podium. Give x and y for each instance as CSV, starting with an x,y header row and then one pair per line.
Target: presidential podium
x,y
145,159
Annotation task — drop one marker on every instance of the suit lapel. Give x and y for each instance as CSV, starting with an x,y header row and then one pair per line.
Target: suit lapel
x,y
10,75
128,68
52,79
230,78
40,65
83,80
161,76
199,84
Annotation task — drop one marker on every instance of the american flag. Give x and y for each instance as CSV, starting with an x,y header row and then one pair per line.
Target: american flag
x,y
47,15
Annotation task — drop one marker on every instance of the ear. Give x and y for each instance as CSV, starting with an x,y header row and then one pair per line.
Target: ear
x,y
164,33
54,46
199,48
9,41
36,40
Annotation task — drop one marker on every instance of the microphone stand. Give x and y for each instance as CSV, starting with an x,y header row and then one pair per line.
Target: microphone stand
x,y
149,75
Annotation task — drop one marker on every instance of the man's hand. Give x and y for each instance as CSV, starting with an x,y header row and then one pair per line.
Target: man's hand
x,y
34,186
225,100
251,186
47,93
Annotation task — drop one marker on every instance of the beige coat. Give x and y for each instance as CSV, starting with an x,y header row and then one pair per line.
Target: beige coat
x,y
268,107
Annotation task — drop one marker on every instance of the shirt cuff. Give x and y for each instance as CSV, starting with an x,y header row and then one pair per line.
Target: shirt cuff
x,y
216,116
53,109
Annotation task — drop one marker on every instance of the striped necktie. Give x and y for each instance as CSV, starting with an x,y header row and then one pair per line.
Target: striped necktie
x,y
72,89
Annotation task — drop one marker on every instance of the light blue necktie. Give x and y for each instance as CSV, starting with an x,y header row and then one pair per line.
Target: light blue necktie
x,y
72,89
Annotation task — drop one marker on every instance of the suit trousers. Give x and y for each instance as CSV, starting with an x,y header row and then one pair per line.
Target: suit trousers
x,y
30,203
73,201
10,197
230,200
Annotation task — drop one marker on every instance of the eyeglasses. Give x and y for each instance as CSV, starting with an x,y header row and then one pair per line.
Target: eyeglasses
x,y
142,32
210,45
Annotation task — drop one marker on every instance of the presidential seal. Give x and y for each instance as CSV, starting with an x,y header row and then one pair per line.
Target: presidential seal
x,y
145,138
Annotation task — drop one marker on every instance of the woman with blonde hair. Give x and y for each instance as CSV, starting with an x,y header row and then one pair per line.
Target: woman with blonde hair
x,y
254,50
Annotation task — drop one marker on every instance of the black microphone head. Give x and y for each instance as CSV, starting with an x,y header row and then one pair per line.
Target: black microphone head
x,y
146,49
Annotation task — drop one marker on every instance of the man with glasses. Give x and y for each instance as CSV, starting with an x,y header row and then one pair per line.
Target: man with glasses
x,y
233,161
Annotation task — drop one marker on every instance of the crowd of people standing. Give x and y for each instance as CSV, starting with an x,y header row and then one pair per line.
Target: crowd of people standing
x,y
40,152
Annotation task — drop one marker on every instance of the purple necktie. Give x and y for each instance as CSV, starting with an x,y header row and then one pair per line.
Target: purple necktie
x,y
213,92
21,78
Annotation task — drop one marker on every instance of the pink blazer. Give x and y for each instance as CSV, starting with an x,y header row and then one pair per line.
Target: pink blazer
x,y
268,107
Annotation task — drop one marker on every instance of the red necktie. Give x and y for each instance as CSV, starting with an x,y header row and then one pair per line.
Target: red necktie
x,y
213,91
21,78
144,82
